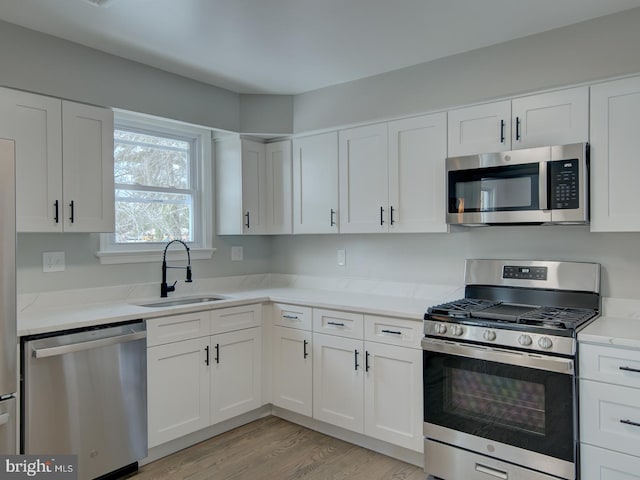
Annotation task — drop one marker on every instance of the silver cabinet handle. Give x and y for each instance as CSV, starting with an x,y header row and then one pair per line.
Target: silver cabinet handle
x,y
337,324
78,347
492,471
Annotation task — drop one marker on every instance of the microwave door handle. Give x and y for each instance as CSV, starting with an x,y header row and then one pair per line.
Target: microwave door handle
x,y
543,182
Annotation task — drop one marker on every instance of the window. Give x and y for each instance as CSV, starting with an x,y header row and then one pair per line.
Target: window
x,y
162,189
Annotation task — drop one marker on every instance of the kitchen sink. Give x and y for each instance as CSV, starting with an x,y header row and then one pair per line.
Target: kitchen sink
x,y
174,302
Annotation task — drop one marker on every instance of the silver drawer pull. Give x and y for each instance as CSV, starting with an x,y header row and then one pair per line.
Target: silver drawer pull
x,y
629,369
394,332
337,324
291,317
492,471
629,422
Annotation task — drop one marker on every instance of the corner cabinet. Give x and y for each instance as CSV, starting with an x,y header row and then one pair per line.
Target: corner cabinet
x,y
315,184
392,176
552,118
64,163
615,108
253,187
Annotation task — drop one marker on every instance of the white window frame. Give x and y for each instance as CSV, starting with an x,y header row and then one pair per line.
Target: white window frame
x,y
201,181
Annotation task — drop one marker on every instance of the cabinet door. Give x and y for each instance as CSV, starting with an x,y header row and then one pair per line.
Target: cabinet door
x,y
615,109
254,192
480,129
35,123
178,389
338,392
315,184
278,181
87,150
600,464
554,118
363,179
292,370
417,153
393,395
235,373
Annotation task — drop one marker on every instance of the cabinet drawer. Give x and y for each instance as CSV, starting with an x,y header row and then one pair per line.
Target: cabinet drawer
x,y
178,327
334,322
610,364
600,464
292,316
610,416
235,318
394,331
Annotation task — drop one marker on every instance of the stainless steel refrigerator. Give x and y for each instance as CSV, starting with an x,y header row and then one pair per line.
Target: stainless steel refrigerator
x,y
8,339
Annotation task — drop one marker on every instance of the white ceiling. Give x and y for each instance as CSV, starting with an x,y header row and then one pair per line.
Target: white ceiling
x,y
293,46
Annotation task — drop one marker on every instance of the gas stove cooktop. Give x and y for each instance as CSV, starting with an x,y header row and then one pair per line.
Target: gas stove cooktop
x,y
525,305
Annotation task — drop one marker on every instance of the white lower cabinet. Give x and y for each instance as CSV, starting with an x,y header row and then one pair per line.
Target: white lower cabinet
x,y
609,413
177,389
338,372
198,382
369,387
393,395
292,370
236,385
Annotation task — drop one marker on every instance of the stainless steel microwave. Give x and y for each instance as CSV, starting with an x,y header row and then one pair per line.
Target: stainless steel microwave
x,y
544,185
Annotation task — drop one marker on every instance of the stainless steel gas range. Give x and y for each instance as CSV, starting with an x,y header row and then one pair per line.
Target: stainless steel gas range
x,y
500,379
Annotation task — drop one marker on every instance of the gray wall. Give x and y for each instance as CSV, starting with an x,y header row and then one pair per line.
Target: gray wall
x,y
600,48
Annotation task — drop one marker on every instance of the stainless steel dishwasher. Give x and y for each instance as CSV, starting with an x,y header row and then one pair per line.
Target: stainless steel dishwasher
x,y
85,393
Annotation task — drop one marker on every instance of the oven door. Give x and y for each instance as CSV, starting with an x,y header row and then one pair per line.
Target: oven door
x,y
513,406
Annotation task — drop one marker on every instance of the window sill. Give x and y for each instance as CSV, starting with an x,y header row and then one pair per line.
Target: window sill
x,y
144,256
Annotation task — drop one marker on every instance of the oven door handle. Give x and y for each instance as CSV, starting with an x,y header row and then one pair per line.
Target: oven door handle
x,y
547,363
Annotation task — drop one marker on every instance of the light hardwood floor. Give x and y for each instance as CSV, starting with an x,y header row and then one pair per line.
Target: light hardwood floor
x,y
274,449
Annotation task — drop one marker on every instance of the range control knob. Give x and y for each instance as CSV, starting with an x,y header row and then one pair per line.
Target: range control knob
x,y
545,342
457,330
525,340
441,328
489,335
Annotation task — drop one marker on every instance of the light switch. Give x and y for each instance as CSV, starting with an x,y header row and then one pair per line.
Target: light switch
x,y
342,258
53,262
236,254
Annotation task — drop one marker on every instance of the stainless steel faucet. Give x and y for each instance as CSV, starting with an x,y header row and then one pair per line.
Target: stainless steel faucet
x,y
164,288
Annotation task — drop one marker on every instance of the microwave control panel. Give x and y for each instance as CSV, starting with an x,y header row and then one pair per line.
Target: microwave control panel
x,y
563,184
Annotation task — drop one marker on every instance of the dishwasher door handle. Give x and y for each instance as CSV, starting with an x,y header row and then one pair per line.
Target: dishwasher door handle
x,y
80,346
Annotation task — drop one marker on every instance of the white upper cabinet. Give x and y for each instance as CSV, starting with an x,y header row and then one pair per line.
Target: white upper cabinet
x,y
417,152
615,109
553,118
480,129
392,176
315,184
363,179
87,152
278,178
253,187
64,157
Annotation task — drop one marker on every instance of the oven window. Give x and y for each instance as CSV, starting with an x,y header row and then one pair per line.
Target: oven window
x,y
519,406
494,189
508,402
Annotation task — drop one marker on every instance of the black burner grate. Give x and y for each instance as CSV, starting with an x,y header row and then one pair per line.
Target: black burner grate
x,y
462,307
558,317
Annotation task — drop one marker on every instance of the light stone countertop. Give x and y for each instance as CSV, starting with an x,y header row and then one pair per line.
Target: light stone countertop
x,y
64,310
619,324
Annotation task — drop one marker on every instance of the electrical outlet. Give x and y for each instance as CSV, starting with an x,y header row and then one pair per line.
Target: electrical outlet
x,y
236,254
342,258
53,262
